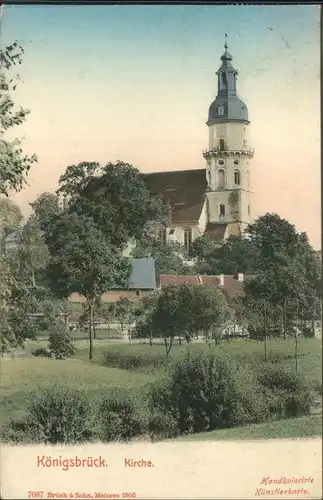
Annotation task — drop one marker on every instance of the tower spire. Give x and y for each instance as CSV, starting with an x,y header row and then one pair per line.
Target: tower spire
x,y
225,41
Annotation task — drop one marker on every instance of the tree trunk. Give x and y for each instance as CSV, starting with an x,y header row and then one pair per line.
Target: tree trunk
x,y
180,340
150,338
90,330
265,330
296,351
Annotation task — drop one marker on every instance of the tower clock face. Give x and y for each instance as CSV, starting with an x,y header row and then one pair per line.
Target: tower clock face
x,y
221,110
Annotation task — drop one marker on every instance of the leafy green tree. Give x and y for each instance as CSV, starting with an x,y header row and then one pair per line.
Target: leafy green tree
x,y
235,255
287,270
14,164
46,209
187,310
168,257
115,196
10,216
124,312
60,342
84,261
33,253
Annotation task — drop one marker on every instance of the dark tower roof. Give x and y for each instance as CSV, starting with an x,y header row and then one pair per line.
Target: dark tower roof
x,y
227,106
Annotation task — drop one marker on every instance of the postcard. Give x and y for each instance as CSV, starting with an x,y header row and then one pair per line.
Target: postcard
x,y
160,251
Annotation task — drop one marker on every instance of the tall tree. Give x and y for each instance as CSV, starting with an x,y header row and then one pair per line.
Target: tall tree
x,y
14,164
287,268
235,255
115,196
46,209
33,254
84,261
187,310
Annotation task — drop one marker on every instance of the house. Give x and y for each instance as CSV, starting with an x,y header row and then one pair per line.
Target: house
x,y
142,283
232,286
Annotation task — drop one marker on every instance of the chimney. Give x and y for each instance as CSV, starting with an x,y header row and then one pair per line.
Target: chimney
x,y
221,279
240,276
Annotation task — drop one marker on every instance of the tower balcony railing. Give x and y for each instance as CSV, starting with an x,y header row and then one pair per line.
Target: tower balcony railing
x,y
217,151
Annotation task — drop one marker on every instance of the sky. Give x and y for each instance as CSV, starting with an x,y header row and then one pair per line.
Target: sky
x,y
134,83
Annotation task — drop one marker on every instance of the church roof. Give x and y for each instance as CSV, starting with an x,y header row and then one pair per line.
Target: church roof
x,y
184,190
215,231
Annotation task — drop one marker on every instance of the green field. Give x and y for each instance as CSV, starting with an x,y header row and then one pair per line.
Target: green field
x,y
290,428
24,375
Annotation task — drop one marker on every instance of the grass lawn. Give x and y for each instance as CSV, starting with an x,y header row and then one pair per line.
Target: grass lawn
x,y
26,375
290,428
309,352
23,377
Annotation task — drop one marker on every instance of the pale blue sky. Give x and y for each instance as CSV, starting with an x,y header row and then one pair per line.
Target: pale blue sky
x,y
135,82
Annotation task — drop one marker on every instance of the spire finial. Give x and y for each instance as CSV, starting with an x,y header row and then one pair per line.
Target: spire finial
x,y
226,41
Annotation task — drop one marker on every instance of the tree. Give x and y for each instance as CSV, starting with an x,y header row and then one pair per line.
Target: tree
x,y
14,164
33,253
124,312
187,310
10,216
235,255
287,269
60,342
168,257
46,209
84,261
115,196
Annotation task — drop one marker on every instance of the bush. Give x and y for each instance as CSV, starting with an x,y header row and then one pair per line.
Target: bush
x,y
292,394
134,361
60,416
15,432
206,391
41,352
60,341
123,416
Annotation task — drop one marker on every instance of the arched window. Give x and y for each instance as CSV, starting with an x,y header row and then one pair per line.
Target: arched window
x,y
221,178
187,238
221,142
237,179
222,209
208,173
224,78
248,209
162,234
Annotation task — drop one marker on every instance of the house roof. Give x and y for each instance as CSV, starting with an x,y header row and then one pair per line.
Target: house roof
x,y
215,231
184,190
143,274
232,287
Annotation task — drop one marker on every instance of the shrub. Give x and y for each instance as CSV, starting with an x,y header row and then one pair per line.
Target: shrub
x,y
292,394
206,391
123,416
41,352
15,432
60,341
134,361
60,416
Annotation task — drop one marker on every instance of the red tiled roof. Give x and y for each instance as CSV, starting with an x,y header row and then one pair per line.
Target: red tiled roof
x,y
184,190
231,286
167,280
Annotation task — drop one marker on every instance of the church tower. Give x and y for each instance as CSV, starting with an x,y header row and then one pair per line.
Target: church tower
x,y
228,155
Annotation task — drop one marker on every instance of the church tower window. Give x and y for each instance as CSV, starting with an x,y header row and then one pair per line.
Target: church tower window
x,y
237,178
221,178
222,209
221,144
187,238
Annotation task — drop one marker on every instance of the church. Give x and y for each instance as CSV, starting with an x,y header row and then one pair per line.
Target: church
x,y
214,201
